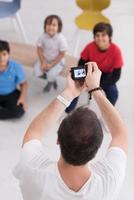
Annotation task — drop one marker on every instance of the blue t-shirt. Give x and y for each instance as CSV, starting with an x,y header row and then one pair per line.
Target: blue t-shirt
x,y
11,77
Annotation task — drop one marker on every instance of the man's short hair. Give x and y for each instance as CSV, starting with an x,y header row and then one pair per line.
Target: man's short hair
x,y
103,27
49,20
80,136
4,46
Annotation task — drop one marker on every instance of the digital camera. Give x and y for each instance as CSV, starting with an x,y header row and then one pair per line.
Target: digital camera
x,y
79,73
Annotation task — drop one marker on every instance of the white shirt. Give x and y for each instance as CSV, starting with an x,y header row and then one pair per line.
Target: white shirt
x,y
40,179
52,46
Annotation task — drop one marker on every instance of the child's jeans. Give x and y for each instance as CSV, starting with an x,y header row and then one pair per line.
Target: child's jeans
x,y
52,73
8,106
111,94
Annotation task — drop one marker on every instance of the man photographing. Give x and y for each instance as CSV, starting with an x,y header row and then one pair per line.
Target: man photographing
x,y
80,136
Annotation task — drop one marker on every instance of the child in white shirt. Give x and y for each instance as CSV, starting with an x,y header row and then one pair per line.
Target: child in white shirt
x,y
51,48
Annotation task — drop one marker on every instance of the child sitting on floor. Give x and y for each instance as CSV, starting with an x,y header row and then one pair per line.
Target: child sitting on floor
x,y
51,47
12,100
109,59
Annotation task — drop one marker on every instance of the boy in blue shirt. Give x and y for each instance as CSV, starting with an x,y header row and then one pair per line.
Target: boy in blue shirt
x,y
13,85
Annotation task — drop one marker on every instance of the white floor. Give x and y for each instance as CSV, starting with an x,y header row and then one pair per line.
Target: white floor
x,y
121,13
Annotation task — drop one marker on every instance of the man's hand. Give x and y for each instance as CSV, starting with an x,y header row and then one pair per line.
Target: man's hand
x,y
93,76
74,88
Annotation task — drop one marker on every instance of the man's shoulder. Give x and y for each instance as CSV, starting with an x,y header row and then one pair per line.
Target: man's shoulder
x,y
33,158
114,160
35,153
109,173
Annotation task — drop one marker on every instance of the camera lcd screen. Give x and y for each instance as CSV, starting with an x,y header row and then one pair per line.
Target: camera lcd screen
x,y
79,73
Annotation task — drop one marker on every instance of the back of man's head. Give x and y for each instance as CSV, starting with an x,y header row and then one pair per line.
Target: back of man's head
x,y
80,136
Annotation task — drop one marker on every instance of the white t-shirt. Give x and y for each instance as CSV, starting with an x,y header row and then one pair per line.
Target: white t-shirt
x,y
40,179
52,46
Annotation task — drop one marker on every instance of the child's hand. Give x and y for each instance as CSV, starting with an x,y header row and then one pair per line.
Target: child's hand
x,y
43,67
49,66
21,102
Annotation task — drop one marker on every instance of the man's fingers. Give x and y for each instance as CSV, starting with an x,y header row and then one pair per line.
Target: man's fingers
x,y
93,66
79,84
89,71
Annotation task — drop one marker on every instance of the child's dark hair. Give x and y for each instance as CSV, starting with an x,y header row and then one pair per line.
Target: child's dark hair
x,y
103,27
4,46
49,20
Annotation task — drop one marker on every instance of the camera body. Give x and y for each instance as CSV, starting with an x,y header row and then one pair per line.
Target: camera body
x,y
79,73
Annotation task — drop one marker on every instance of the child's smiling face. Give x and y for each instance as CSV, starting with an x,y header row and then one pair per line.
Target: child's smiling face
x,y
52,28
102,40
4,57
